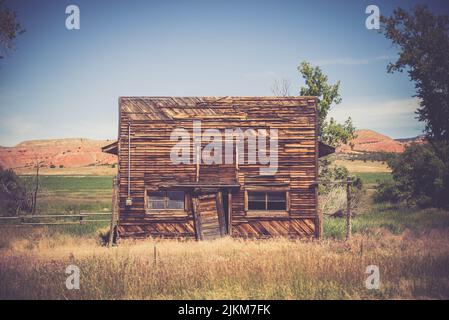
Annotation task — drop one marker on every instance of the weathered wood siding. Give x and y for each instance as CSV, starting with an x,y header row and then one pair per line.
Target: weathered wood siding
x,y
153,119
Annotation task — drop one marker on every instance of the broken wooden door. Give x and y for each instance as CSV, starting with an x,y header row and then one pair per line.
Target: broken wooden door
x,y
209,216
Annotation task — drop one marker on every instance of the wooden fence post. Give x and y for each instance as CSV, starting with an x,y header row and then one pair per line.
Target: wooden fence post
x,y
348,209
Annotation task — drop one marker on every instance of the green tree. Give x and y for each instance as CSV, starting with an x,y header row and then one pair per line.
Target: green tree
x,y
421,173
316,84
421,176
334,133
330,131
423,42
10,28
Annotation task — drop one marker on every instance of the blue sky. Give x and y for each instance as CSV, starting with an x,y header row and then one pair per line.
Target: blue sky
x,y
61,83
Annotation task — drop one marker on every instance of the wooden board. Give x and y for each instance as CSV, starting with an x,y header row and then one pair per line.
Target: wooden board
x,y
273,227
210,216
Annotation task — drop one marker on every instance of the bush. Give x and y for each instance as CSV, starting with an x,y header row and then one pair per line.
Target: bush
x,y
421,176
12,193
328,172
372,156
332,197
387,191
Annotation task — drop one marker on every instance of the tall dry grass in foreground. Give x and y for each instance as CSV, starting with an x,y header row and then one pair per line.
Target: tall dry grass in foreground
x,y
411,266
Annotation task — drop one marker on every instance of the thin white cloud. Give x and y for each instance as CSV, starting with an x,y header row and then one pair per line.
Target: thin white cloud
x,y
350,61
393,117
365,108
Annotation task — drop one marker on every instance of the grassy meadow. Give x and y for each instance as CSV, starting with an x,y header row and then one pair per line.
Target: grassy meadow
x,y
413,265
409,245
358,166
94,170
73,194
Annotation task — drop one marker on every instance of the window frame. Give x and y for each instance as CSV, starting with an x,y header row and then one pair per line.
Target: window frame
x,y
267,191
166,199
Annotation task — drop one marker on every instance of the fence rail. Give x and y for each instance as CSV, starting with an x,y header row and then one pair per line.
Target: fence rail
x,y
49,219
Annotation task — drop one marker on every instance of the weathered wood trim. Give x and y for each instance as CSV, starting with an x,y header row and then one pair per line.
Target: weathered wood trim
x,y
196,219
167,212
198,161
267,188
229,212
267,213
158,219
221,214
187,201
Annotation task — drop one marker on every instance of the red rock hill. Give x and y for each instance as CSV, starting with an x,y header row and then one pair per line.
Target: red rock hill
x,y
372,141
69,153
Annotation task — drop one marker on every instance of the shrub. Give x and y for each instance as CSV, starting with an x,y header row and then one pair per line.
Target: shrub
x,y
387,191
328,172
333,200
12,192
372,156
332,197
421,175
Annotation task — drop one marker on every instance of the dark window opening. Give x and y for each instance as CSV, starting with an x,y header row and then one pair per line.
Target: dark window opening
x,y
160,200
274,201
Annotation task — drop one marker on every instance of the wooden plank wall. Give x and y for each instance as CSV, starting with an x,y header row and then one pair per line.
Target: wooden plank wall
x,y
153,119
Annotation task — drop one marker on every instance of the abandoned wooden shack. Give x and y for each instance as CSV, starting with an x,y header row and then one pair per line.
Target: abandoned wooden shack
x,y
173,183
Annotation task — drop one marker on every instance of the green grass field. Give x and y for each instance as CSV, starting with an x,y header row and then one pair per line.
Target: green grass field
x,y
74,183
73,194
374,177
392,218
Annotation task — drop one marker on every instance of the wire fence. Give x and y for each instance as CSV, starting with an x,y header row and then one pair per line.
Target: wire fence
x,y
55,219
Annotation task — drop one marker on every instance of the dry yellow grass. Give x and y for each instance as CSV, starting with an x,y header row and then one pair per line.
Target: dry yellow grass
x,y
33,267
358,166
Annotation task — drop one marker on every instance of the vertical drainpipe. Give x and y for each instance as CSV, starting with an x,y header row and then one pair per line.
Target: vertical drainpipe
x,y
129,201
